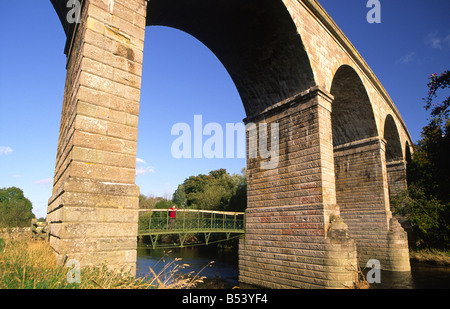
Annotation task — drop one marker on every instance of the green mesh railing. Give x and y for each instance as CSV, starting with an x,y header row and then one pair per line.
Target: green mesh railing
x,y
192,221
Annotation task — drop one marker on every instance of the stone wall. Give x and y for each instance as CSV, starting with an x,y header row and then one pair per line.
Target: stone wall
x,y
15,233
362,195
361,192
396,171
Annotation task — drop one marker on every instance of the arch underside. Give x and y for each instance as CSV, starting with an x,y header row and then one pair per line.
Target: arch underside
x,y
359,164
352,117
393,145
256,41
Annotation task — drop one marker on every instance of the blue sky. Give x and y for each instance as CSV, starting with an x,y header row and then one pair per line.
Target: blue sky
x,y
182,78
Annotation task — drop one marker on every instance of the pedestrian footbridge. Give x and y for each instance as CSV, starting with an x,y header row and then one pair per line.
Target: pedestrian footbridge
x,y
191,221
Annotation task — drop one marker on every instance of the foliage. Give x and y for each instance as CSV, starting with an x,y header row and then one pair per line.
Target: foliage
x,y
163,204
216,191
148,202
428,216
151,203
144,220
430,165
179,196
15,208
427,201
438,110
30,264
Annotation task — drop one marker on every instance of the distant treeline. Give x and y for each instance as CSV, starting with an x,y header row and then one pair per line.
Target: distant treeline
x,y
216,191
15,208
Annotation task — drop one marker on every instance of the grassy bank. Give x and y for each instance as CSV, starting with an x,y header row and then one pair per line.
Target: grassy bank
x,y
28,264
432,256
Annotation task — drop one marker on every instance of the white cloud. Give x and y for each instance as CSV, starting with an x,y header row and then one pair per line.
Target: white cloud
x,y
435,42
438,42
447,40
140,161
5,150
46,181
145,170
407,58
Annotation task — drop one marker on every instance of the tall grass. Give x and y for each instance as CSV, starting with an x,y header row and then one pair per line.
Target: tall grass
x,y
29,264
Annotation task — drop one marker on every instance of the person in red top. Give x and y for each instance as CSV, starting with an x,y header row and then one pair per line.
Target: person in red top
x,y
172,211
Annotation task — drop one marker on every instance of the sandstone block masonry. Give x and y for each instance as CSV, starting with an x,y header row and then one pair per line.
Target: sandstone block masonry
x,y
93,209
15,233
290,240
363,196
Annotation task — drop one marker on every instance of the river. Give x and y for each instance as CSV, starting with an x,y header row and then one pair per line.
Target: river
x,y
223,273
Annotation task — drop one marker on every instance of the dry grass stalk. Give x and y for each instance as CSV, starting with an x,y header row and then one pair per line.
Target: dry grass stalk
x,y
31,264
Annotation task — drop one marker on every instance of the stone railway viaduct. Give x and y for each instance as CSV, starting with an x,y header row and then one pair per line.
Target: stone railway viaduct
x,y
342,143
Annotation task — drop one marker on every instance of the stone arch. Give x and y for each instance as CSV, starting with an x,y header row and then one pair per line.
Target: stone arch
x,y
256,41
352,117
395,160
394,150
408,152
359,159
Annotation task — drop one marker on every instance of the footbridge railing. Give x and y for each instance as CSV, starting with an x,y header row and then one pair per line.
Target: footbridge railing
x,y
191,221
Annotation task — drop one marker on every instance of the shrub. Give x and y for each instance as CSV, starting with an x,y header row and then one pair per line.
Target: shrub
x,y
428,216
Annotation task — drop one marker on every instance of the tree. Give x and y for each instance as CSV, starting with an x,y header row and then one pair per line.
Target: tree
x,y
216,191
148,202
427,200
179,197
15,208
427,215
163,204
430,164
434,147
238,201
213,197
438,110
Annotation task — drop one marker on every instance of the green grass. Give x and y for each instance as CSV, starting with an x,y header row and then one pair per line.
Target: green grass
x,y
29,264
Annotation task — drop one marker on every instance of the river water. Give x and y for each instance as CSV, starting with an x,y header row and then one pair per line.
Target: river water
x,y
223,273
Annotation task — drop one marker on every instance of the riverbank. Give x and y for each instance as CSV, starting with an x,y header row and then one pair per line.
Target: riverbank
x,y
31,264
434,257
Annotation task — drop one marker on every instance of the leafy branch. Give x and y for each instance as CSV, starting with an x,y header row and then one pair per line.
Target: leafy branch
x,y
438,110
